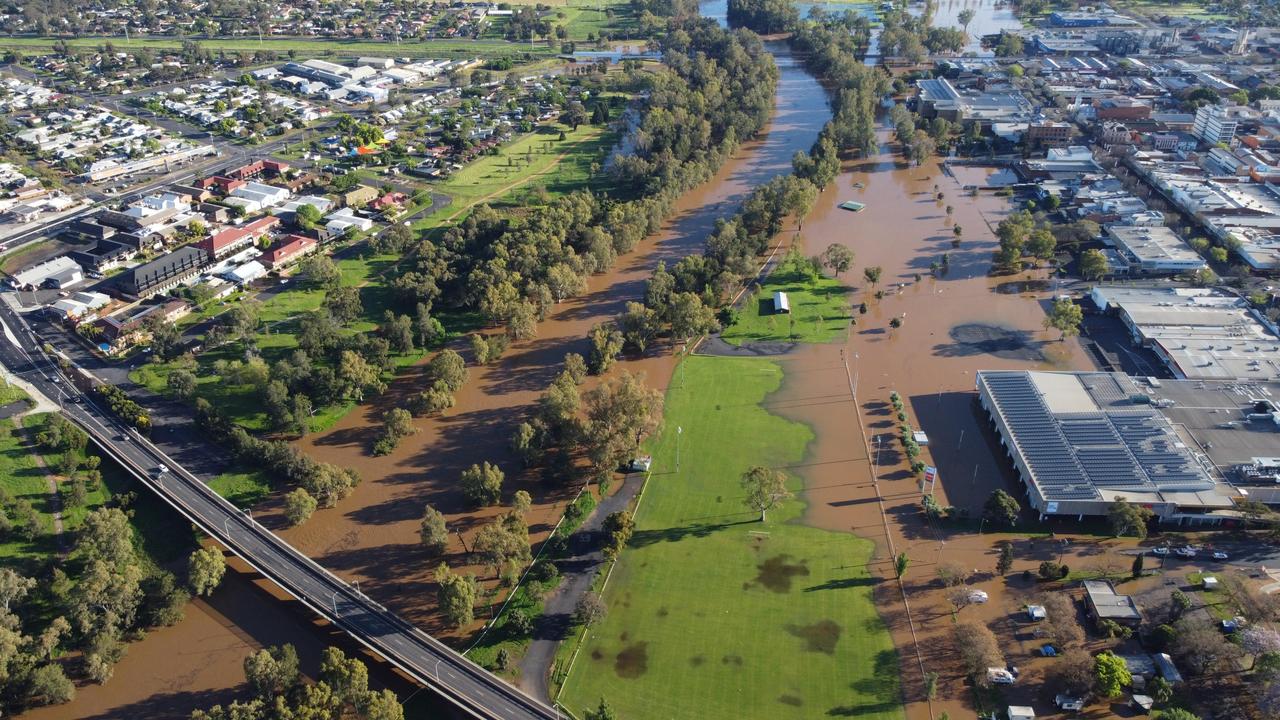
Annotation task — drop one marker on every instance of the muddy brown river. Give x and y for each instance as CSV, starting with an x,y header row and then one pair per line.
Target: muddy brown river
x,y
372,536
952,325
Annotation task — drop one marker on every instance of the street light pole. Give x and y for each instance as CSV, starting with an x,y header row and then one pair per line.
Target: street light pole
x,y
683,349
679,432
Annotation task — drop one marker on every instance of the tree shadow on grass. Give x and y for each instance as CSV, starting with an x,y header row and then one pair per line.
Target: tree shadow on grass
x,y
842,584
698,530
883,685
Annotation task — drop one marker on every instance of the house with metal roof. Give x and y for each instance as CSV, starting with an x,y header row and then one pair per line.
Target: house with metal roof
x,y
1104,603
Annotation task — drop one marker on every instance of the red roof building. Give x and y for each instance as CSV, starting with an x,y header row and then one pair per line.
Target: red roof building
x,y
256,169
391,199
225,183
290,249
221,244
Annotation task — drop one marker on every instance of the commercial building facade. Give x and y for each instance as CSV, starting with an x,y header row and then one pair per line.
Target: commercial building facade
x,y
163,273
1213,125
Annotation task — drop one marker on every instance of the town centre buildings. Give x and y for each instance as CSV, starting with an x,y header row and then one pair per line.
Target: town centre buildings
x,y
1199,333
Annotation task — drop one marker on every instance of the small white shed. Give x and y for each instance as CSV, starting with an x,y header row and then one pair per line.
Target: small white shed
x,y
1021,712
780,303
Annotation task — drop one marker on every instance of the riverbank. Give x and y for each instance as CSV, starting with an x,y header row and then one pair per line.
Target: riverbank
x,y
373,536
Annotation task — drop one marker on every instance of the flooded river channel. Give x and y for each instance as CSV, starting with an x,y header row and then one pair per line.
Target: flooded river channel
x,y
372,537
952,326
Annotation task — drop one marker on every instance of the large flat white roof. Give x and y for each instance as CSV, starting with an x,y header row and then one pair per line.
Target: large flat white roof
x,y
1202,334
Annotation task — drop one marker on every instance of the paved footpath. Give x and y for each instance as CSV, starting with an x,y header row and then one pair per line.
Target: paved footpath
x,y
583,558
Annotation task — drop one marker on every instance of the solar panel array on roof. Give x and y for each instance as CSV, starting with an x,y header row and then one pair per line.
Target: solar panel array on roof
x,y
1107,388
1101,452
1159,451
1082,455
1038,437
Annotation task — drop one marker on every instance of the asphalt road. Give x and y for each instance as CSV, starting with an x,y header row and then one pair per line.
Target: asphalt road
x,y
427,660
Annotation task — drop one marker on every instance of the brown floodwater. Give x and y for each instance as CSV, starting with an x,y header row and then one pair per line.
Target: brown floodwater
x,y
199,662
371,537
953,325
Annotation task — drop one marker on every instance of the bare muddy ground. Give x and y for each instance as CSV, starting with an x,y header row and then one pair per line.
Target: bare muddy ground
x,y
953,326
372,536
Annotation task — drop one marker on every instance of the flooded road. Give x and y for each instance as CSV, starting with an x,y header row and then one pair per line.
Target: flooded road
x,y
990,18
953,325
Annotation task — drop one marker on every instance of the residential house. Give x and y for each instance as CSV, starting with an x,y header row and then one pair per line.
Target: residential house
x,y
358,196
288,250
1104,603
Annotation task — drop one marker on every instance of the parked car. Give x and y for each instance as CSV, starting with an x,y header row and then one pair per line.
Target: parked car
x,y
1000,676
1162,550
978,596
1187,551
1066,702
640,464
1234,624
1220,555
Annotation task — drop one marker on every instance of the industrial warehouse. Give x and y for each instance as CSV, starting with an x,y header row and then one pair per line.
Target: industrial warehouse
x,y
1080,441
